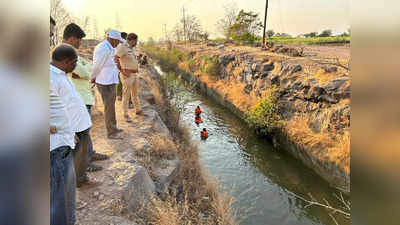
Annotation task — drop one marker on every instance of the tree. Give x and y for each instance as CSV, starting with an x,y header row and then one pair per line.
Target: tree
x,y
270,33
85,24
193,28
177,32
150,41
229,18
285,35
246,27
312,34
325,33
194,31
62,18
282,35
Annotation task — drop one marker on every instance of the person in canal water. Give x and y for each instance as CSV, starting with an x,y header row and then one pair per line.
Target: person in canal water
x,y
204,134
197,111
197,119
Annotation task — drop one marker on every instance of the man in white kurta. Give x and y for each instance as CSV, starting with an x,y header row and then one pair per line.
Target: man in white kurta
x,y
105,75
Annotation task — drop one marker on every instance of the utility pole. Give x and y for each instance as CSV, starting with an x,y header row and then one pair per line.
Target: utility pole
x,y
265,22
165,32
184,24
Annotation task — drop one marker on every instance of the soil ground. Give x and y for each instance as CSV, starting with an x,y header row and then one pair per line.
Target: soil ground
x,y
314,55
99,202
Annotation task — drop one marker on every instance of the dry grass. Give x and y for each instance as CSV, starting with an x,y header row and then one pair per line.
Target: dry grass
x,y
163,212
161,146
154,87
325,145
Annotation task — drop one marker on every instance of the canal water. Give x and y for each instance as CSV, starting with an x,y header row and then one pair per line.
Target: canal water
x,y
262,179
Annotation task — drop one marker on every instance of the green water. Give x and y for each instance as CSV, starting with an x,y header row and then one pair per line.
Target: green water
x,y
260,178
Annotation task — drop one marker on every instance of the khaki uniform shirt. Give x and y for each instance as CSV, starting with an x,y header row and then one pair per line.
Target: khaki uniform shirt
x,y
127,56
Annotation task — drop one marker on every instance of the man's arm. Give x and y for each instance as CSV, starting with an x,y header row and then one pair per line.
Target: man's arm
x,y
53,130
99,58
116,59
80,71
120,51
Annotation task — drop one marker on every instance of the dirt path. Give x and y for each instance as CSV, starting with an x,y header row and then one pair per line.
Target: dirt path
x,y
99,202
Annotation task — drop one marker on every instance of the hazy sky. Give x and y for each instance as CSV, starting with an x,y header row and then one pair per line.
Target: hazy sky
x,y
147,17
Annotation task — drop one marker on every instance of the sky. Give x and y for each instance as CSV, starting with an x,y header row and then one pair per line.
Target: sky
x,y
147,17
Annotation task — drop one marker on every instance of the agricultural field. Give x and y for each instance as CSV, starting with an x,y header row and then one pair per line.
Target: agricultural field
x,y
310,40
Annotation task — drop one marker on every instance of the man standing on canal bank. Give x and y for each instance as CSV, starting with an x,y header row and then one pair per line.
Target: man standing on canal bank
x,y
125,56
68,116
73,35
105,75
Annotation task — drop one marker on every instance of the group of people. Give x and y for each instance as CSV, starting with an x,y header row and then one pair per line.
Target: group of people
x,y
70,103
197,120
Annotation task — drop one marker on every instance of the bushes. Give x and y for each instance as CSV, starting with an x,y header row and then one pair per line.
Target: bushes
x,y
191,63
310,40
168,58
245,38
264,116
210,66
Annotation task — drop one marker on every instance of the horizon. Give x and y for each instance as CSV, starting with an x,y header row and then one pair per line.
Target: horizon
x,y
294,17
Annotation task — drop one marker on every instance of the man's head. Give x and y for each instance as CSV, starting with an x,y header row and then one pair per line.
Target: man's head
x,y
52,26
114,37
73,35
204,129
132,39
124,35
64,57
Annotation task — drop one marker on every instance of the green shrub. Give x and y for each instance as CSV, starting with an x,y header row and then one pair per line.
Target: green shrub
x,y
310,40
191,64
245,38
168,59
264,116
211,66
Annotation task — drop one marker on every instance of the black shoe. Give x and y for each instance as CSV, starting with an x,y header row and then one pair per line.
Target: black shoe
x,y
114,136
118,131
93,168
82,180
97,156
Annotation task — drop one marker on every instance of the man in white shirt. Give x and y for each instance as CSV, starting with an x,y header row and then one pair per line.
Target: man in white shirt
x,y
76,109
62,172
73,35
105,75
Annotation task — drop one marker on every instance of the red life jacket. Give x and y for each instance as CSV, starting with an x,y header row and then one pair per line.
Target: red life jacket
x,y
197,111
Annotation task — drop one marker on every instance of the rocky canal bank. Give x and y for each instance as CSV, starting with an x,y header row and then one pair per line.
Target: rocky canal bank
x,y
312,98
153,175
